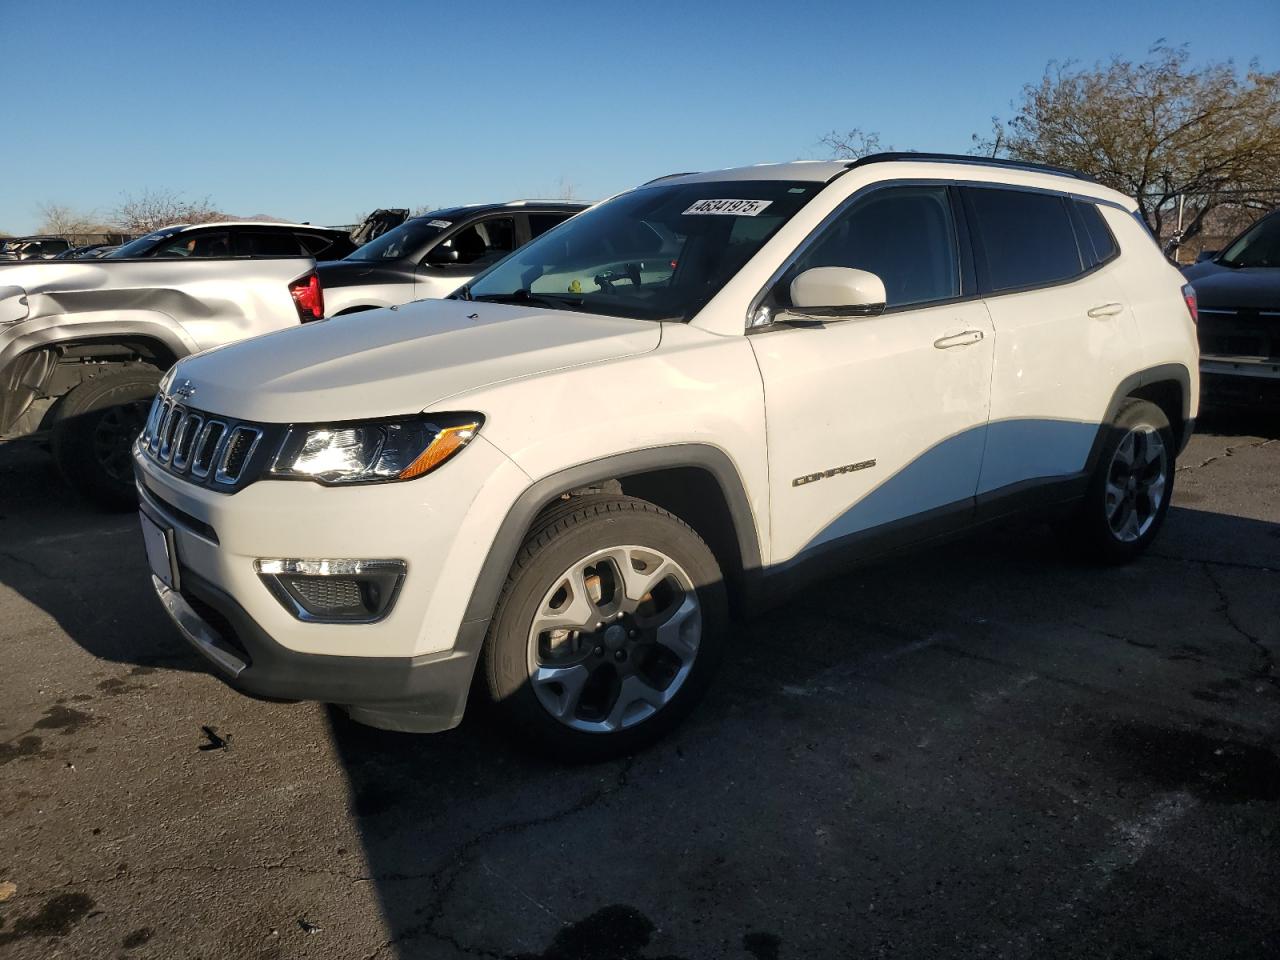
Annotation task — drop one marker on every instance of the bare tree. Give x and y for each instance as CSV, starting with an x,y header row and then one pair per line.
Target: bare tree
x,y
566,189
853,145
1157,130
153,209
63,221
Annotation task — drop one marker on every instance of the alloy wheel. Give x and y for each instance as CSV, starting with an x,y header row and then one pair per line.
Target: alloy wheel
x,y
614,639
1137,481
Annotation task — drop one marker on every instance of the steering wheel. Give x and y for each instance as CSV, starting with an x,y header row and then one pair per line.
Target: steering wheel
x,y
631,271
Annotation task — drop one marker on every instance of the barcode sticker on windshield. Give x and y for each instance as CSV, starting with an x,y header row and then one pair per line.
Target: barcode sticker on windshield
x,y
440,223
730,208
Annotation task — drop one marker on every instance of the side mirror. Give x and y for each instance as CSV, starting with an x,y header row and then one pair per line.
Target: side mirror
x,y
442,255
836,293
1204,255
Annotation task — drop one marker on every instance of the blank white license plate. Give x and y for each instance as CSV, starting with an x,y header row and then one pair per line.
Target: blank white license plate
x,y
159,544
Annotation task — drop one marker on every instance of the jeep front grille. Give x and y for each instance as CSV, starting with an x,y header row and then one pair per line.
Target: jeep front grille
x,y
208,450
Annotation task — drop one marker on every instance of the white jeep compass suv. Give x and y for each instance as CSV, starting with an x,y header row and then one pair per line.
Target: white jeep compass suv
x,y
560,481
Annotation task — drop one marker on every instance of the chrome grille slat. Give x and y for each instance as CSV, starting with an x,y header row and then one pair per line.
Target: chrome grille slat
x,y
207,447
182,449
153,442
228,472
167,431
204,449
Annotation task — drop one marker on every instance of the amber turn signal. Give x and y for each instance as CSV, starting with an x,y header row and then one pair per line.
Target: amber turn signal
x,y
447,442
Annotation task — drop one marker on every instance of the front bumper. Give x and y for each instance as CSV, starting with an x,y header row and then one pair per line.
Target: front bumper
x,y
409,671
1240,381
416,694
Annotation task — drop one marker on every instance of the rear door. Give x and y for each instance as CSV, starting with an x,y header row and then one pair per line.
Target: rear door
x,y
877,423
1064,333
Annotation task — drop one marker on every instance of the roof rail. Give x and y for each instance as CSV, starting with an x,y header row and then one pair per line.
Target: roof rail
x,y
670,176
970,159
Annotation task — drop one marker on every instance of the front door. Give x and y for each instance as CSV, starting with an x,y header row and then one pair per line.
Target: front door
x,y
879,420
458,258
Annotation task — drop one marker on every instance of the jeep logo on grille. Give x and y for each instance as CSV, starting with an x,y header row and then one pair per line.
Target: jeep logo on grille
x,y
185,390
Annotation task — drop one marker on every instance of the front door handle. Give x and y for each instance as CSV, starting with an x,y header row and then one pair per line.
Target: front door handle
x,y
965,339
1107,310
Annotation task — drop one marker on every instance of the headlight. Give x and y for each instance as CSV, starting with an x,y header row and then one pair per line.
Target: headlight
x,y
375,451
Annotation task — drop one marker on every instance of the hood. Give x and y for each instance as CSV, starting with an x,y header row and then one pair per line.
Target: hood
x,y
346,273
400,360
1250,287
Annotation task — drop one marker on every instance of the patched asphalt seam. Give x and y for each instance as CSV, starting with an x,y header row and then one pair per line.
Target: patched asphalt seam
x,y
1267,670
456,862
1227,452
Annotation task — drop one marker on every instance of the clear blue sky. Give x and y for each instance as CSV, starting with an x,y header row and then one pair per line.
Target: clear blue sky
x,y
321,111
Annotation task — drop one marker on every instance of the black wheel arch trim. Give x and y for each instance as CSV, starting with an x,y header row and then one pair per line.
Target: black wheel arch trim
x,y
520,517
1161,373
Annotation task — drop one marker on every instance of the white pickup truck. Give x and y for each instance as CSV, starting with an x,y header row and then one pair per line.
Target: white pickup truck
x,y
83,344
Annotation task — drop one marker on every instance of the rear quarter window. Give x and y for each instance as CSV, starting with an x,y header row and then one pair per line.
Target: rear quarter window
x,y
1097,245
1024,238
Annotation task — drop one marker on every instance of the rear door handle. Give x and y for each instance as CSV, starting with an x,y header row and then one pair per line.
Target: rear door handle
x,y
1107,310
965,339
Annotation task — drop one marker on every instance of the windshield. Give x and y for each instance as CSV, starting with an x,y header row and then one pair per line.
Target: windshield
x,y
1259,247
656,253
142,246
406,239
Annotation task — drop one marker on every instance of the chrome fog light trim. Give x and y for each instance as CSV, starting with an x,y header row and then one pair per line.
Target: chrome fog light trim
x,y
342,590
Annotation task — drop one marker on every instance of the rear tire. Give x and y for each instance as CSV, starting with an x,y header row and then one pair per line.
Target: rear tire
x,y
93,436
1129,492
650,602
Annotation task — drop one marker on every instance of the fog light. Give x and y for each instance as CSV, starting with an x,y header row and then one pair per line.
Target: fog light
x,y
334,591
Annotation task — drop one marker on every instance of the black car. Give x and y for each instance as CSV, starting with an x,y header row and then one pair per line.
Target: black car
x,y
248,238
1238,291
434,254
32,248
90,251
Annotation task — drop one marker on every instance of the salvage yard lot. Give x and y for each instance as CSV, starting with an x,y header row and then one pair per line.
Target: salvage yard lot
x,y
980,750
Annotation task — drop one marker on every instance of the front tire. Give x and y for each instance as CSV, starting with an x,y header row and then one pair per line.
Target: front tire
x,y
1129,492
94,433
608,630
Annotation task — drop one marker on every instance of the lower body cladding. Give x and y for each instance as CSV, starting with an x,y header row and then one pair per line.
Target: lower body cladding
x,y
353,596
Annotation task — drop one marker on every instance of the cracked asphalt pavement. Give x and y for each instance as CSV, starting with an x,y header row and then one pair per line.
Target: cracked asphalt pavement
x,y
979,750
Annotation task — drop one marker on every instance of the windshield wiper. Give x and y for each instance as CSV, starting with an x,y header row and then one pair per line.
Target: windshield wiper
x,y
553,300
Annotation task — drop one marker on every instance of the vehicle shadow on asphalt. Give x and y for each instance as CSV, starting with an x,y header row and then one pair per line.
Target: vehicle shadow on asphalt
x,y
924,755
84,568
1216,420
780,819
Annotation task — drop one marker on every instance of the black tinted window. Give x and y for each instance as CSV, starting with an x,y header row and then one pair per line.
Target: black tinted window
x,y
315,244
196,244
1026,237
540,223
904,235
484,242
273,245
1096,243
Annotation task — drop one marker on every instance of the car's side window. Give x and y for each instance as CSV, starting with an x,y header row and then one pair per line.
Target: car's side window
x,y
319,246
203,244
269,243
1097,245
904,235
1024,238
483,242
540,223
